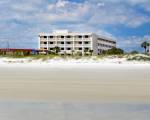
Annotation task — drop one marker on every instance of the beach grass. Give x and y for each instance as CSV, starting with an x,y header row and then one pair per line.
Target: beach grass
x,y
43,57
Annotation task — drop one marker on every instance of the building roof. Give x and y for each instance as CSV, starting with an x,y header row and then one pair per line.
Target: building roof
x,y
66,32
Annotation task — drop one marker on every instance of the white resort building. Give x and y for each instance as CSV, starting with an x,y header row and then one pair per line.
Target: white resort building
x,y
71,42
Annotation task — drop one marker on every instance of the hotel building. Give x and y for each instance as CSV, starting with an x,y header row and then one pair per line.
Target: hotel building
x,y
70,42
148,49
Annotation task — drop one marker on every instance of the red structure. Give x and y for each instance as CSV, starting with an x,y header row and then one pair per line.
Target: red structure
x,y
14,51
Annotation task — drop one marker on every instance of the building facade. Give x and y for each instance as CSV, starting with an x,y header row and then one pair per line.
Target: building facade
x,y
148,49
70,42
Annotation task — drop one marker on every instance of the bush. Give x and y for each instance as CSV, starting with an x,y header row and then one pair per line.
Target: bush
x,y
139,58
114,51
134,52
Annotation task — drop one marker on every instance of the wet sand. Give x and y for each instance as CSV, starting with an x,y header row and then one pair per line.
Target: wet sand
x,y
72,84
73,111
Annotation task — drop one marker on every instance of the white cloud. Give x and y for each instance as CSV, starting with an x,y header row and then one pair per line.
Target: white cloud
x,y
141,3
133,42
61,3
107,13
44,15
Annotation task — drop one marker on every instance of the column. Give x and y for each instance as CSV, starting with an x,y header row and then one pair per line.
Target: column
x,y
64,44
73,42
47,41
39,43
55,38
82,46
92,43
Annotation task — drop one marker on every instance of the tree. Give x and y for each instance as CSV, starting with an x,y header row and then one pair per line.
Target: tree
x,y
78,53
50,51
145,45
56,49
113,51
86,50
72,52
134,52
91,52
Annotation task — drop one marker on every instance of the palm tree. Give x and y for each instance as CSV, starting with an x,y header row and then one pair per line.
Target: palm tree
x,y
86,50
56,49
72,52
145,45
91,51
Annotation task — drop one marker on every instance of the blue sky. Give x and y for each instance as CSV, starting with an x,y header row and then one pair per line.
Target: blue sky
x,y
127,21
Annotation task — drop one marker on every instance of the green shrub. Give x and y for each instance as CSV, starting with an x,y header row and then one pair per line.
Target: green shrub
x,y
113,51
134,52
139,58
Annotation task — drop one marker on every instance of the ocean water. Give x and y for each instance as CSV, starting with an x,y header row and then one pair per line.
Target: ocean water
x,y
73,111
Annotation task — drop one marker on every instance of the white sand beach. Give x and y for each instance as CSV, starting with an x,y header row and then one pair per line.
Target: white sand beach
x,y
75,82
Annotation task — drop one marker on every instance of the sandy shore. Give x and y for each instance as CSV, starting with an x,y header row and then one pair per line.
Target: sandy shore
x,y
79,83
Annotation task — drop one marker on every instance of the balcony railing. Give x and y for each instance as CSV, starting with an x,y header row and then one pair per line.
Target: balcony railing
x,y
51,39
60,45
68,39
43,45
43,39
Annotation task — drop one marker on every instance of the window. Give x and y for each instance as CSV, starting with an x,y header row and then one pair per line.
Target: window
x,y
79,42
51,42
41,37
68,42
68,48
62,48
51,48
68,36
62,36
80,48
51,36
86,42
114,42
45,36
45,42
45,48
86,49
62,42
86,36
102,45
79,36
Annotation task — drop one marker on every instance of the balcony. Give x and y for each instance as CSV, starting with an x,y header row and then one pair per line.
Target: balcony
x,y
51,39
69,39
86,45
78,39
60,45
107,43
69,45
86,39
60,39
78,45
43,45
43,39
51,45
